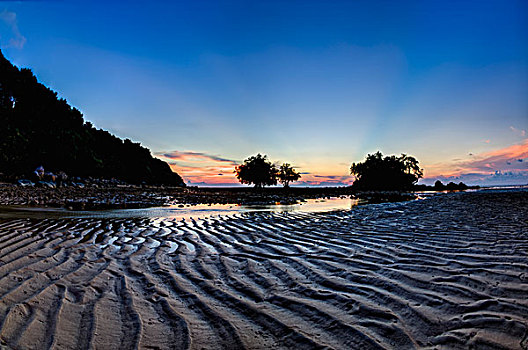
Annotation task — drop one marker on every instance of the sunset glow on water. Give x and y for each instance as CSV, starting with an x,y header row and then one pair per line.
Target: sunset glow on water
x,y
187,211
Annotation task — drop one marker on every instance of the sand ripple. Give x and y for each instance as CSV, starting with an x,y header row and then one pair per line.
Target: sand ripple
x,y
446,272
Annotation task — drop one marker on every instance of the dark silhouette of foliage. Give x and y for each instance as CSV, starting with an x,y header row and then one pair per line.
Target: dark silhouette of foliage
x,y
287,174
386,173
38,128
454,187
257,170
462,186
439,186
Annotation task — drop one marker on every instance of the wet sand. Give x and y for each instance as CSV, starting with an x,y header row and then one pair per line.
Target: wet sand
x,y
448,272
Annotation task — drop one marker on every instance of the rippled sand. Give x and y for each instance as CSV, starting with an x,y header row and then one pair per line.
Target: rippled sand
x,y
447,272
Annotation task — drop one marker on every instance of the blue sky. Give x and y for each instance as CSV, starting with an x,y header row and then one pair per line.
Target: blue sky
x,y
318,84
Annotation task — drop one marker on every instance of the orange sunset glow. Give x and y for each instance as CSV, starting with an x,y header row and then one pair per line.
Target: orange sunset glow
x,y
199,168
511,160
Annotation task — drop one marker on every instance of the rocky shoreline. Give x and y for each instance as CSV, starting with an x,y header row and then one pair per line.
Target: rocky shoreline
x,y
100,197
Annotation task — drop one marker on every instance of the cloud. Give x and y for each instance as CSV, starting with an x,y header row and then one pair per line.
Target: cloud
x,y
199,168
498,159
204,169
190,156
497,178
10,35
506,166
502,166
309,179
518,132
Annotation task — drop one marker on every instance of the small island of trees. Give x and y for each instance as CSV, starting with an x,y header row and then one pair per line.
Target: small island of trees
x,y
259,171
287,174
375,173
386,173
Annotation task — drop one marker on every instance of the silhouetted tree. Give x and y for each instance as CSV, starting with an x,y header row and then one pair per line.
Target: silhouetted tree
x,y
287,174
411,165
257,170
386,173
462,186
439,186
452,186
38,128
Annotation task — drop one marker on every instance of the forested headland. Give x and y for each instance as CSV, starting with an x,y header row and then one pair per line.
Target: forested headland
x,y
39,129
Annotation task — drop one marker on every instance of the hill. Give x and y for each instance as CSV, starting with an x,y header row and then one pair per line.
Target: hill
x,y
37,128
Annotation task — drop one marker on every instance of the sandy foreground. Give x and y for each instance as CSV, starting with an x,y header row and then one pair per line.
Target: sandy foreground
x,y
449,271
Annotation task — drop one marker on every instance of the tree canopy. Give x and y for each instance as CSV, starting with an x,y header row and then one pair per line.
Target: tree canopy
x,y
37,128
386,173
287,174
257,170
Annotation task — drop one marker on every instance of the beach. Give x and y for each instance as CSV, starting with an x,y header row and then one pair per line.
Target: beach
x,y
445,272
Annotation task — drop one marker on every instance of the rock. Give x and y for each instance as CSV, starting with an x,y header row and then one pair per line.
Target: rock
x,y
49,177
46,184
26,183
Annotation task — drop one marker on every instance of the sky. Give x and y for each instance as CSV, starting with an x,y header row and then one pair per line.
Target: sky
x,y
317,84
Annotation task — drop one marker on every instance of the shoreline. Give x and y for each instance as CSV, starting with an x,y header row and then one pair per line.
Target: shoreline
x,y
149,201
187,212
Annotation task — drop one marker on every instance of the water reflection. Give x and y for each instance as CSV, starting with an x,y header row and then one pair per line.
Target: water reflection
x,y
311,205
177,212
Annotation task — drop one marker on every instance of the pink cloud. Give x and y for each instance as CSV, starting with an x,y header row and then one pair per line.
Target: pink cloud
x,y
198,168
309,179
203,169
509,163
196,157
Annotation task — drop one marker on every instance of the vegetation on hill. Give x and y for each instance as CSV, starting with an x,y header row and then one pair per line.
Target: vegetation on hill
x,y
37,128
386,173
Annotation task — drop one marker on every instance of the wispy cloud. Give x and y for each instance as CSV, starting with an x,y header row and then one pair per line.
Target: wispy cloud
x,y
10,35
506,165
309,179
497,178
197,157
501,159
204,169
199,168
518,132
